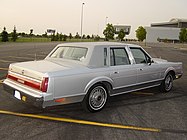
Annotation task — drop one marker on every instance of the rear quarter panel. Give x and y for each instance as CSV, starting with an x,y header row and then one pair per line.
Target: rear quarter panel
x,y
76,83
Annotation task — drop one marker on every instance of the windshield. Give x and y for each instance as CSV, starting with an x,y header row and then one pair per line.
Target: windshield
x,y
72,53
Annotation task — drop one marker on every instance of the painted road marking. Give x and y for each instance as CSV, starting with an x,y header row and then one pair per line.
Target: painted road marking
x,y
118,126
185,49
142,93
5,69
37,55
6,61
21,57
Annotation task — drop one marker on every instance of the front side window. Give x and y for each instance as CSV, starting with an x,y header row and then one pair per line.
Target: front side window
x,y
118,56
72,53
139,55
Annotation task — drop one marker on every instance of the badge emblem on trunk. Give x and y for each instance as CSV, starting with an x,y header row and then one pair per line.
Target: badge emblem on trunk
x,y
22,72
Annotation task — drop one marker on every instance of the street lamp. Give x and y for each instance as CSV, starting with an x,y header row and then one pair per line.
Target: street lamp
x,y
106,20
82,18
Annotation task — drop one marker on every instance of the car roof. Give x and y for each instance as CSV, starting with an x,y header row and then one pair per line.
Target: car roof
x,y
95,44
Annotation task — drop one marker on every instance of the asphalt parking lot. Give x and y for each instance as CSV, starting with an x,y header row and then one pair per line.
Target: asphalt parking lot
x,y
145,115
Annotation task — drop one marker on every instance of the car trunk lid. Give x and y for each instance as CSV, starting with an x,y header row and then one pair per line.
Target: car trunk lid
x,y
35,69
33,74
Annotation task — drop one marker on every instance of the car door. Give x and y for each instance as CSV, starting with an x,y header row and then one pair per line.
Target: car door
x,y
121,70
148,72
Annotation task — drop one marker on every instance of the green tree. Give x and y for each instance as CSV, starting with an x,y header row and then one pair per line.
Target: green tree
x,y
31,32
70,36
96,38
45,35
121,34
65,37
53,37
183,35
57,37
14,35
109,32
4,35
84,36
88,37
23,34
141,33
77,36
60,37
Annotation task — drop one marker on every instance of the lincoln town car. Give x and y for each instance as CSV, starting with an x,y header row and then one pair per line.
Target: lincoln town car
x,y
88,73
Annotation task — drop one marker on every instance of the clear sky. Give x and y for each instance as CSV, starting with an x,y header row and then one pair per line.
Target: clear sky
x,y
65,15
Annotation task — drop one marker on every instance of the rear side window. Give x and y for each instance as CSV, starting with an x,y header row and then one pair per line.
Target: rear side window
x,y
139,55
72,53
118,56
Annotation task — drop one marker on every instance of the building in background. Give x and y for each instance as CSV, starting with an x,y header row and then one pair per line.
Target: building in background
x,y
166,31
173,23
123,27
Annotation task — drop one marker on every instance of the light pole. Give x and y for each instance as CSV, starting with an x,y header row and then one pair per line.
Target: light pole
x,y
106,20
82,18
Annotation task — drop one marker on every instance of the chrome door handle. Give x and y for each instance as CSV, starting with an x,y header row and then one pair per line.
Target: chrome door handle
x,y
141,69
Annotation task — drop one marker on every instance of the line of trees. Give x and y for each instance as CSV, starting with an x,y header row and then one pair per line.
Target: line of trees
x,y
109,33
5,35
64,37
13,36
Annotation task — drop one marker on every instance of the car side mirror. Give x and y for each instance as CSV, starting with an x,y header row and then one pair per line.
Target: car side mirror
x,y
150,61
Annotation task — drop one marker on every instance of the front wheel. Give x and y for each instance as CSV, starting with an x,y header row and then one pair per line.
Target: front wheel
x,y
167,83
96,98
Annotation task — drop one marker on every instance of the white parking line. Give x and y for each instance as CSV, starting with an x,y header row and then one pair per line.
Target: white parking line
x,y
21,57
43,55
6,61
183,49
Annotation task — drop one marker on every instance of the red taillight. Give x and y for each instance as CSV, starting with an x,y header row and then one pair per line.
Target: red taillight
x,y
32,84
12,77
44,85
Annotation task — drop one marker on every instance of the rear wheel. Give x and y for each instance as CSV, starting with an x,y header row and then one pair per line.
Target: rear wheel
x,y
96,98
167,83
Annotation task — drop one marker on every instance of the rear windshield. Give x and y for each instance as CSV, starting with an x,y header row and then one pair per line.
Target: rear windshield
x,y
72,53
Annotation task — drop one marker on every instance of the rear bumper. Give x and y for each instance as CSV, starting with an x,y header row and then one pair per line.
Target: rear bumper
x,y
37,98
38,102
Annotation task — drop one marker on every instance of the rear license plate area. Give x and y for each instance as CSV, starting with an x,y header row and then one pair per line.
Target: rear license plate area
x,y
17,95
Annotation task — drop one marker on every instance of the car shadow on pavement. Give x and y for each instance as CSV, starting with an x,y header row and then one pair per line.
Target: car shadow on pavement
x,y
144,96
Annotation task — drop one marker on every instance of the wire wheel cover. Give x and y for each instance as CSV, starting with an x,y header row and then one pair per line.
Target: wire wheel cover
x,y
97,98
168,82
